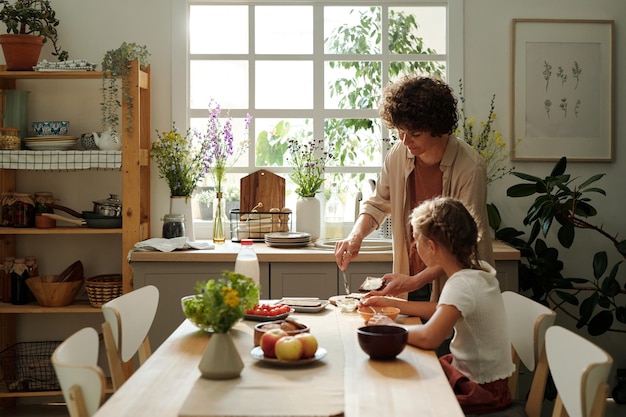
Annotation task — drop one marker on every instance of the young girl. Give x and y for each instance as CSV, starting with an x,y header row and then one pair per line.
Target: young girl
x,y
470,305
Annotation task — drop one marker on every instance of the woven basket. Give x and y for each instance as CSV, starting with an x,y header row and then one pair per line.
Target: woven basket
x,y
103,288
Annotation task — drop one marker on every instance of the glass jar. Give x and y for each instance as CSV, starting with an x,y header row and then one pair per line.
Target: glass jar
x,y
43,202
7,201
173,225
23,210
19,289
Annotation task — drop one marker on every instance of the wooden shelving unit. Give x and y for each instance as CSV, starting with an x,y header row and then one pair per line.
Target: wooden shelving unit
x,y
135,168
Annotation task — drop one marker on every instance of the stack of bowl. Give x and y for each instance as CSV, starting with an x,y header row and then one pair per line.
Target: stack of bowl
x,y
50,135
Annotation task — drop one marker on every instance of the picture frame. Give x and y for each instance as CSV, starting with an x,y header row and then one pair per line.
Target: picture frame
x,y
562,90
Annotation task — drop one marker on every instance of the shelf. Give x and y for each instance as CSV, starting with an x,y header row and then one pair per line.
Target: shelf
x,y
71,160
79,306
71,230
49,75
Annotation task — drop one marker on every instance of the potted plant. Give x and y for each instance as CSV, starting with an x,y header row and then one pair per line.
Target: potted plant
x,y
116,64
29,24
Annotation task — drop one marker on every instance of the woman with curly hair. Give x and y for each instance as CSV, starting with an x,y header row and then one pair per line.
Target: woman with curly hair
x,y
470,305
428,161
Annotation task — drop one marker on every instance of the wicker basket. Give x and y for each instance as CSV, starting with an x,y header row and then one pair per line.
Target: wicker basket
x,y
26,366
103,288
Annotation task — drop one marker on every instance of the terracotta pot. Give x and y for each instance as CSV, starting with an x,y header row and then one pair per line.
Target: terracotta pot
x,y
21,52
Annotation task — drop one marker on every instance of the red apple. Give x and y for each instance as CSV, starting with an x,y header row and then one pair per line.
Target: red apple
x,y
269,339
289,348
309,344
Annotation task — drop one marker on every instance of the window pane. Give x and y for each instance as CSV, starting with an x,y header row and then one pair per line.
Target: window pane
x,y
225,81
284,85
283,30
211,26
356,142
352,30
352,84
423,27
272,136
398,69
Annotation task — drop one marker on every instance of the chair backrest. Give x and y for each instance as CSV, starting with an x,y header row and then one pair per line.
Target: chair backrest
x,y
82,381
128,319
527,323
580,371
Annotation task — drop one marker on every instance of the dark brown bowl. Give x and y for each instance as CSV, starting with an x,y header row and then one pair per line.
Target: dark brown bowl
x,y
382,342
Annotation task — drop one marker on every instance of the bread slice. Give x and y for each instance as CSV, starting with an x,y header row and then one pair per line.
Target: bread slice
x,y
371,284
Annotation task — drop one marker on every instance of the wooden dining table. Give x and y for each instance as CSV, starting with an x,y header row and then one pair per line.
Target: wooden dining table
x,y
344,382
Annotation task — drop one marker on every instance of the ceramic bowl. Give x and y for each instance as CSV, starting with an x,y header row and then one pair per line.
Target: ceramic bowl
x,y
367,313
382,342
47,128
292,328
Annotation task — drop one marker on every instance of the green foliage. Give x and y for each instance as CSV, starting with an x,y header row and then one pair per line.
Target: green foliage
x,y
116,63
360,90
563,204
33,17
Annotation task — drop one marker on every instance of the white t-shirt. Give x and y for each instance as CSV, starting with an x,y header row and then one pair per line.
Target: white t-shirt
x,y
481,346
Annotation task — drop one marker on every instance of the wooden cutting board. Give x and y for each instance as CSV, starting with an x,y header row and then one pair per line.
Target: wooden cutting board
x,y
262,186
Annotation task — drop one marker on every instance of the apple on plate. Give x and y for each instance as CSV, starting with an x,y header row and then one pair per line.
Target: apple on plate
x,y
309,344
289,348
269,339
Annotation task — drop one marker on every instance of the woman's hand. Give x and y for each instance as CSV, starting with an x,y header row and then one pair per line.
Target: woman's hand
x,y
346,250
395,284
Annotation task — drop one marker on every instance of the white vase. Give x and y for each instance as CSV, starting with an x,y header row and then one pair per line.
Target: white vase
x,y
308,212
220,359
182,205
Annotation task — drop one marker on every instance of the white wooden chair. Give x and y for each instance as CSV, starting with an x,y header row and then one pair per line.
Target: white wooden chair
x,y
82,381
580,371
128,319
527,321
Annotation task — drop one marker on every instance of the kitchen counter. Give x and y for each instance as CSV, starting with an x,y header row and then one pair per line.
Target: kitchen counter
x,y
227,252
301,272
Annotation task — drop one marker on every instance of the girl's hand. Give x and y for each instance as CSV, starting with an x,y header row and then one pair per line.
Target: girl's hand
x,y
376,302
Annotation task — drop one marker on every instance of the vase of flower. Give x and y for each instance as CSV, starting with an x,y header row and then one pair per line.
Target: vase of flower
x,y
182,205
220,359
219,218
308,212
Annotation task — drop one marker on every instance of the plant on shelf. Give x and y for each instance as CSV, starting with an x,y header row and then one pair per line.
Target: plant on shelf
x,y
116,64
566,205
34,21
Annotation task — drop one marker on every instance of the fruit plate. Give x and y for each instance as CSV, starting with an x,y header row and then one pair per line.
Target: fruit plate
x,y
257,353
257,317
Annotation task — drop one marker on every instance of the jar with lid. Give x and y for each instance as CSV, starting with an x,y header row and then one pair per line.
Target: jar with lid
x,y
173,225
23,210
31,266
19,275
43,202
7,201
5,280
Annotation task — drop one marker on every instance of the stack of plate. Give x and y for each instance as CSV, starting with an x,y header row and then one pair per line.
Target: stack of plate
x,y
288,239
50,142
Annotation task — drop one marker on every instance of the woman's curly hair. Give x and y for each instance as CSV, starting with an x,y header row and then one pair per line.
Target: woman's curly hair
x,y
422,104
449,223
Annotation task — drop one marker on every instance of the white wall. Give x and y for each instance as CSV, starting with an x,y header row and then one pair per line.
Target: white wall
x,y
487,71
89,28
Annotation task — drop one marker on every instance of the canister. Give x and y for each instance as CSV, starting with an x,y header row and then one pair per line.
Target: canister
x,y
173,225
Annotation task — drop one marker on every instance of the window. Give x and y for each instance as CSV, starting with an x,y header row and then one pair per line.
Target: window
x,y
307,69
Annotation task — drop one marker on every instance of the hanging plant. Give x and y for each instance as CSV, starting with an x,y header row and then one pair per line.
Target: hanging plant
x,y
116,64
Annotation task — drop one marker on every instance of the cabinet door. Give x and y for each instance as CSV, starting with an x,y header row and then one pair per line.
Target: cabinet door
x,y
303,279
358,271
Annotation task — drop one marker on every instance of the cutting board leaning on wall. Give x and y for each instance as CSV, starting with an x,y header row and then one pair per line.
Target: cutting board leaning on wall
x,y
262,186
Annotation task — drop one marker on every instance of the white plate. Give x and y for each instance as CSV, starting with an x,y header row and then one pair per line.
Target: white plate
x,y
288,235
257,353
306,309
50,138
45,145
333,300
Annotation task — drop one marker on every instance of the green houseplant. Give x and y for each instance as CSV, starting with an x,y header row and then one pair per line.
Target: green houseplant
x,y
30,23
597,303
116,64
